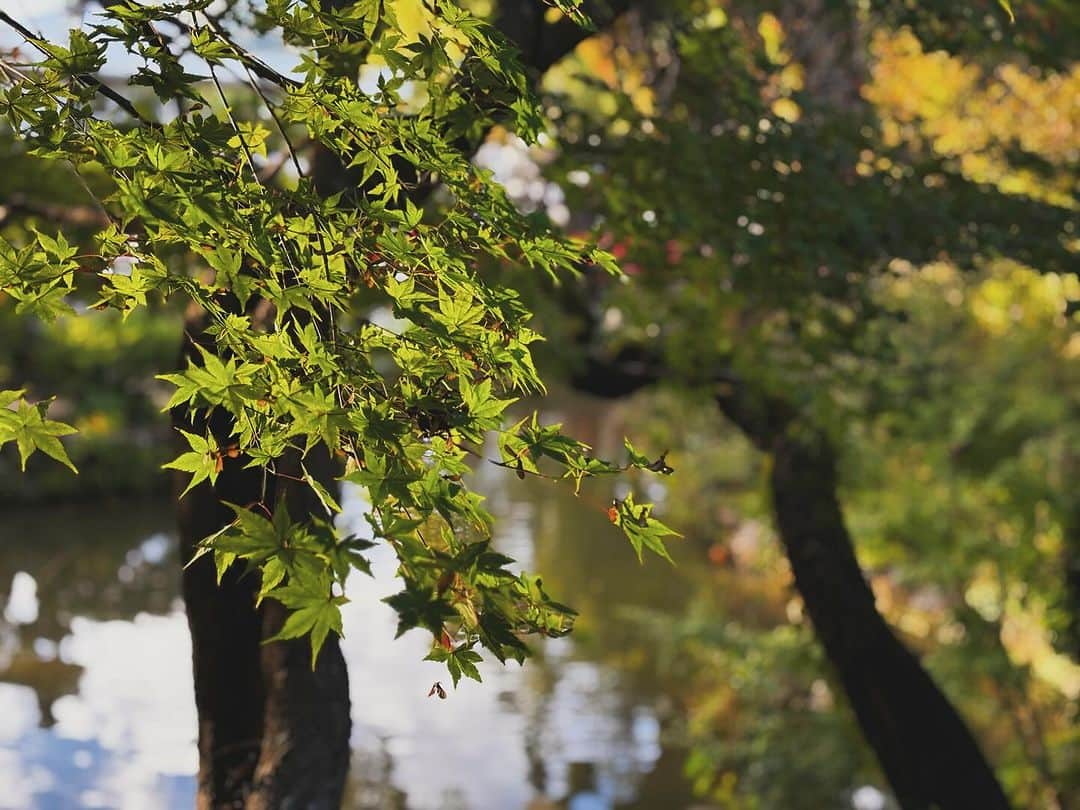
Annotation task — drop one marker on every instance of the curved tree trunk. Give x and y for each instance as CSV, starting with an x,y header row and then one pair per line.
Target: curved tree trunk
x,y
927,752
273,733
1071,562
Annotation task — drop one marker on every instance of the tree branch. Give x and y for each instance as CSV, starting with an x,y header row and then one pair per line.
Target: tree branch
x,y
84,78
541,43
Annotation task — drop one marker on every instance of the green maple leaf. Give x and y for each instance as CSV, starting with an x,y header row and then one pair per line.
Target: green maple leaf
x,y
201,461
315,611
480,402
27,426
461,661
642,529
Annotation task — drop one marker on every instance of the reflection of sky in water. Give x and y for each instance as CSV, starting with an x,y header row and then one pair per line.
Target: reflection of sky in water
x,y
126,737
124,741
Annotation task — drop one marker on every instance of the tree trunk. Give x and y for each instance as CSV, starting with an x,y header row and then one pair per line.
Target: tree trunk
x,y
304,758
927,752
1071,562
273,733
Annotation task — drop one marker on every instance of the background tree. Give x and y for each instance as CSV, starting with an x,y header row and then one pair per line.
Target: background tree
x,y
763,203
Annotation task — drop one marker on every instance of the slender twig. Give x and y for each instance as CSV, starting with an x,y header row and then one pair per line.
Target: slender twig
x,y
243,142
84,78
277,121
244,56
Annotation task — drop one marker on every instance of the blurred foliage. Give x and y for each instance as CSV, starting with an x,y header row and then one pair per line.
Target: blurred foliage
x,y
99,369
101,373
1009,127
898,261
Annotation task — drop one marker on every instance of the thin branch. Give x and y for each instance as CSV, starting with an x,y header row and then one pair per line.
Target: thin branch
x,y
277,121
242,55
84,78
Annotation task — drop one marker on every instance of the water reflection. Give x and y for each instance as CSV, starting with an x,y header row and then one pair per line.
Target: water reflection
x,y
501,743
121,739
96,705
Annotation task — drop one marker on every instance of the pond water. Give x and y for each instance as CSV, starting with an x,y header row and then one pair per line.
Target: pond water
x,y
96,703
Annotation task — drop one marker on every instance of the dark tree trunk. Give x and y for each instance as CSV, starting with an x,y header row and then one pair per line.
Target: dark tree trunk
x,y
225,633
273,733
1071,562
927,752
304,758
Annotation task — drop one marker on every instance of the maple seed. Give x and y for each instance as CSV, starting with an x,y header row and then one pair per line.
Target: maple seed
x,y
613,512
436,689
